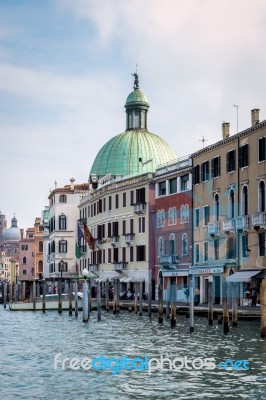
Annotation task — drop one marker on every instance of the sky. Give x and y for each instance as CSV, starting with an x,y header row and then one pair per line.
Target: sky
x,y
65,74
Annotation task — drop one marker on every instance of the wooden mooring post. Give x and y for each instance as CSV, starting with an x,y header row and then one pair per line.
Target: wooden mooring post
x,y
43,295
191,304
107,295
89,298
160,301
70,297
168,299
85,302
149,299
263,308
23,289
225,308
115,297
235,292
173,301
140,297
5,293
99,300
210,301
136,298
76,299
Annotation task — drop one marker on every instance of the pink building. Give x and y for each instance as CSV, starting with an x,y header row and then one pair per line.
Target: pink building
x,y
26,256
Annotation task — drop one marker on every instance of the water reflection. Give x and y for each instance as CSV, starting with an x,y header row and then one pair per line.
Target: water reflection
x,y
29,342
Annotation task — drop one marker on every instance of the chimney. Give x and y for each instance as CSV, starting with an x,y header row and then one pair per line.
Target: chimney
x,y
72,180
255,116
225,129
21,234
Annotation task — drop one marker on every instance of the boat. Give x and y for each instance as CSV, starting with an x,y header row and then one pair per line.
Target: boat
x,y
51,303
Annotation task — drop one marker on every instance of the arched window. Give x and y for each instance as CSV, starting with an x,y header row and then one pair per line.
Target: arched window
x,y
231,210
261,196
158,219
40,266
172,216
62,222
172,246
163,217
40,247
182,214
245,200
216,207
186,213
160,246
24,260
184,245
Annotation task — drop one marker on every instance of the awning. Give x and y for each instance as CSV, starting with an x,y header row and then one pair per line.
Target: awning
x,y
126,279
110,276
242,276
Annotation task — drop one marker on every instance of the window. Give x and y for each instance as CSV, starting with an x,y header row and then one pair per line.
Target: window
x,y
184,182
100,206
62,222
206,250
109,256
205,171
24,260
131,254
262,149
215,167
243,156
109,229
124,199
184,214
244,200
116,201
216,210
173,186
115,229
124,227
231,248
140,196
244,246
172,216
231,161
62,246
160,218
160,246
24,247
110,203
141,250
62,198
24,272
206,215
40,266
141,224
196,175
262,244
172,246
197,217
197,253
162,188
40,247
131,197
216,245
124,258
261,196
184,245
231,204
115,254
131,225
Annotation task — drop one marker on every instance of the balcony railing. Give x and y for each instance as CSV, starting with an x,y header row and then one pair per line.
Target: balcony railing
x,y
129,237
171,259
242,223
259,219
139,208
229,225
114,240
119,266
214,228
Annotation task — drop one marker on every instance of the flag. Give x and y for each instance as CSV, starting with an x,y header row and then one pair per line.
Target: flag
x,y
78,252
88,237
80,235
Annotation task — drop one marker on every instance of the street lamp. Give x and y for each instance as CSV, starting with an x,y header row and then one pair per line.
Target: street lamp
x,y
62,268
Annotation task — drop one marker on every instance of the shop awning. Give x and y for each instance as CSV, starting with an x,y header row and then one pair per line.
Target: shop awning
x,y
111,276
242,276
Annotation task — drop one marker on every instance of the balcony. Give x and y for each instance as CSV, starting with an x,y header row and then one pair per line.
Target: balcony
x,y
140,208
120,266
259,220
98,243
114,240
242,223
229,225
166,260
93,267
214,228
129,237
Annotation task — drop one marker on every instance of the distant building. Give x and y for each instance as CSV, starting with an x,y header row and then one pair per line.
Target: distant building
x,y
10,239
3,225
38,249
26,256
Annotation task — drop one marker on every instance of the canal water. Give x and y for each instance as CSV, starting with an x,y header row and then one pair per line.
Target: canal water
x,y
30,342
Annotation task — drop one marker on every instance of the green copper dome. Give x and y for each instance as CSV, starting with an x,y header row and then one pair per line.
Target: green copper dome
x,y
137,97
137,150
132,152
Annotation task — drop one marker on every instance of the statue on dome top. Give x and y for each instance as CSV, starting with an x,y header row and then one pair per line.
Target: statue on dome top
x,y
136,80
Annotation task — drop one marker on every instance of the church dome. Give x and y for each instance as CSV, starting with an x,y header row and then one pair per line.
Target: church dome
x,y
136,150
12,233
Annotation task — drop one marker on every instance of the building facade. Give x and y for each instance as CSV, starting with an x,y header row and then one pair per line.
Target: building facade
x,y
26,256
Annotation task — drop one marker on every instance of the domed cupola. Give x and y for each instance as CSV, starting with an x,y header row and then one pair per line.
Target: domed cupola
x,y
136,107
12,233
